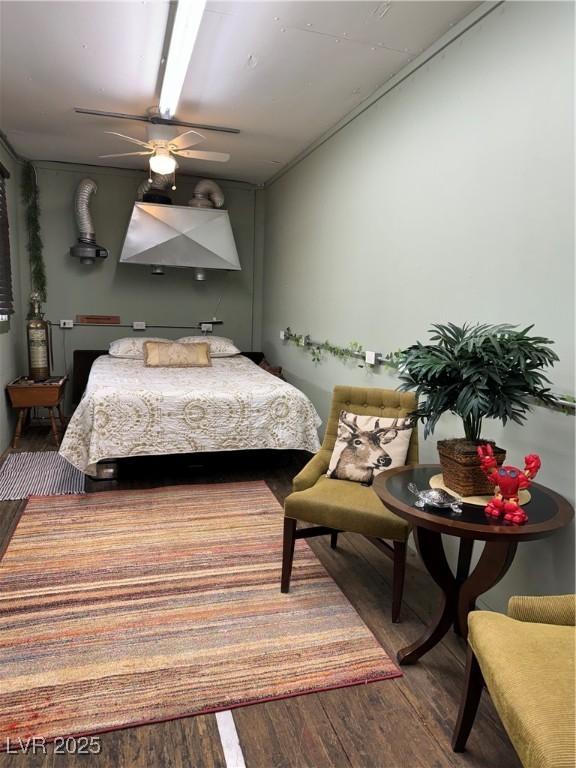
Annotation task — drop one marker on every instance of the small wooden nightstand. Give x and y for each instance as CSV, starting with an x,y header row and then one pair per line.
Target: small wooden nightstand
x,y
25,394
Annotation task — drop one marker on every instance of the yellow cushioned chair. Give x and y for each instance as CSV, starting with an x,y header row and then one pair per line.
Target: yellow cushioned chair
x,y
526,661
341,505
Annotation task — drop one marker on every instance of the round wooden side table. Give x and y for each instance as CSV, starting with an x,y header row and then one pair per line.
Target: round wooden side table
x,y
547,512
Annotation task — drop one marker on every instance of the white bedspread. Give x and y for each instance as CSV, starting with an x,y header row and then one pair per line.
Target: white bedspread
x,y
131,410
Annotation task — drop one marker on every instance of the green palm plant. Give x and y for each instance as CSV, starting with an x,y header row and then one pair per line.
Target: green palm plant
x,y
477,371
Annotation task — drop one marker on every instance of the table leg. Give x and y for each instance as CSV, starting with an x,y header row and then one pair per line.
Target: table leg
x,y
55,434
463,568
62,419
431,550
18,431
458,597
494,562
464,559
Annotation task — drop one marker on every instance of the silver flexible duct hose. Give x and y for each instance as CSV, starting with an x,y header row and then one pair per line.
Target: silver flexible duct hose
x,y
158,182
211,190
86,249
82,210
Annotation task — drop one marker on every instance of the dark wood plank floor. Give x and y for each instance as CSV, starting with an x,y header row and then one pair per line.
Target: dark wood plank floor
x,y
401,723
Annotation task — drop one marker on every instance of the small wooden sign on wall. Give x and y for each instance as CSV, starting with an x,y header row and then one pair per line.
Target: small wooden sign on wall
x,y
98,319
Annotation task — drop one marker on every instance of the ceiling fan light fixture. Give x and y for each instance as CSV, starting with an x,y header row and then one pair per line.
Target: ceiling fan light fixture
x,y
162,162
184,33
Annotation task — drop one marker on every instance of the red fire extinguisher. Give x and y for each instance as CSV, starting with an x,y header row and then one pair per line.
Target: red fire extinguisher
x,y
38,333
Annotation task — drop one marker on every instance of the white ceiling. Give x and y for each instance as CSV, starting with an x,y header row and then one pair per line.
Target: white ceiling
x,y
281,72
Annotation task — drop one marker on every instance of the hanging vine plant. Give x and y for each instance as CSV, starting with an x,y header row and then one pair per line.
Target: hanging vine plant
x,y
352,352
395,362
31,203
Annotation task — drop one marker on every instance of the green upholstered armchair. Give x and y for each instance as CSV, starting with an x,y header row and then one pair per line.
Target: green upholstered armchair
x,y
526,661
339,505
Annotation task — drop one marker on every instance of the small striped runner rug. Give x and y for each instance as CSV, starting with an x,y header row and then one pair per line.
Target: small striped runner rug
x,y
43,473
129,607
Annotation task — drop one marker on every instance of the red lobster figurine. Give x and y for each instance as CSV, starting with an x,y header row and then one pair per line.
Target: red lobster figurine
x,y
510,480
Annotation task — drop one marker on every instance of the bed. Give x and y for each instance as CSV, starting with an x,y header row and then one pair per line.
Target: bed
x,y
130,410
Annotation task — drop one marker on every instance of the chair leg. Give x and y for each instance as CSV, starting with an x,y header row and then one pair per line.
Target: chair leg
x,y
288,552
398,578
334,539
469,704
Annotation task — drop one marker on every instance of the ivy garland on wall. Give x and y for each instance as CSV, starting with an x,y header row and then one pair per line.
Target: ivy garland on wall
x,y
355,352
29,192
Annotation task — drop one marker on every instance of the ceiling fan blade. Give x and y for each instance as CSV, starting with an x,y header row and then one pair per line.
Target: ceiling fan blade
x,y
194,139
128,154
155,120
199,154
129,138
182,149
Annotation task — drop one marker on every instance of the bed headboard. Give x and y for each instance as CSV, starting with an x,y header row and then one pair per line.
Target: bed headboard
x,y
83,359
81,364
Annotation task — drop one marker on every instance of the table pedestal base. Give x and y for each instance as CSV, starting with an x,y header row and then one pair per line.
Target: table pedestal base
x,y
459,592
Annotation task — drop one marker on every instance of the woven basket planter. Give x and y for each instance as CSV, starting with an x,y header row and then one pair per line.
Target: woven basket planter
x,y
461,466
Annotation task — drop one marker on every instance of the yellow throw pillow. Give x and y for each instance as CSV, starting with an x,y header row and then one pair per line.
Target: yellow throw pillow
x,y
171,354
367,445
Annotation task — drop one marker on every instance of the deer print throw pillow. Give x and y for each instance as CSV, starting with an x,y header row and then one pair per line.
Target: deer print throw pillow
x,y
367,445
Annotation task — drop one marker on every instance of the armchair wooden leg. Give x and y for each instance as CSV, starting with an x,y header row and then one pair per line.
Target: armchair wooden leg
x,y
288,552
469,704
398,578
334,539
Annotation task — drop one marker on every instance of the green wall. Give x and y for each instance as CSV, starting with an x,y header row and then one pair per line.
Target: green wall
x,y
449,199
128,290
11,350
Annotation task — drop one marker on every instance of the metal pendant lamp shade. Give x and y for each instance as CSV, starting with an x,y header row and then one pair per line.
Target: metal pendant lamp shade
x,y
180,236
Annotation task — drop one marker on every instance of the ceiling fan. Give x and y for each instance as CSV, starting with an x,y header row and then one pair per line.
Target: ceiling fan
x,y
163,147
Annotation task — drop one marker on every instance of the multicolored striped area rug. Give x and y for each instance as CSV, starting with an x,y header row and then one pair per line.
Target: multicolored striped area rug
x,y
130,607
42,473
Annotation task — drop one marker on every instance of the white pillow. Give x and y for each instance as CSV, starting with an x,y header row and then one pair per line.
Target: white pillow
x,y
367,445
131,347
219,346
